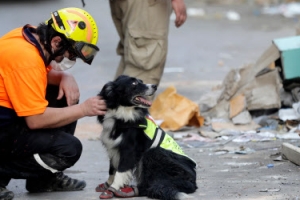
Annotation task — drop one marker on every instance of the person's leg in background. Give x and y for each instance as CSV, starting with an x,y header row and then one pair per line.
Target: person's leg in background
x,y
117,15
143,28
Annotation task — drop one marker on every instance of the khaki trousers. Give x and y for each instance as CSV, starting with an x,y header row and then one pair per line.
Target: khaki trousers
x,y
143,27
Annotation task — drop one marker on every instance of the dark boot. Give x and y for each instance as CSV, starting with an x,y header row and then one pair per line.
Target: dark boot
x,y
5,194
59,182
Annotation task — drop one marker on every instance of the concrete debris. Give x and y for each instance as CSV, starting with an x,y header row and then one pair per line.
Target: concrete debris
x,y
210,134
286,98
209,100
291,152
202,13
230,84
260,101
265,92
252,136
196,137
271,190
287,10
221,126
233,16
195,12
220,110
290,113
242,118
237,105
266,123
289,135
244,150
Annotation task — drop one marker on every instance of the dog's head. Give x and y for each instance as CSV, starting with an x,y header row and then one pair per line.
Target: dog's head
x,y
128,92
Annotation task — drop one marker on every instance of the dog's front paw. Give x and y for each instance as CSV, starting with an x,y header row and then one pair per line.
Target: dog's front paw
x,y
107,194
125,192
102,187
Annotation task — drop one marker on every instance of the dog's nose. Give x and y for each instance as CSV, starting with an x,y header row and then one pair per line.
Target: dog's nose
x,y
154,87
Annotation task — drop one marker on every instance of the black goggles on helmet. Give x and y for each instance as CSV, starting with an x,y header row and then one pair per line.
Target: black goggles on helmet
x,y
84,51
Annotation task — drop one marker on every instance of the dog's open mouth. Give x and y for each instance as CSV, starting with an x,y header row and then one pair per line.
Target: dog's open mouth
x,y
142,101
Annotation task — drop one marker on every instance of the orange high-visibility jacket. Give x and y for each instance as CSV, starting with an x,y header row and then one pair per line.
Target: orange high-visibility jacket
x,y
23,74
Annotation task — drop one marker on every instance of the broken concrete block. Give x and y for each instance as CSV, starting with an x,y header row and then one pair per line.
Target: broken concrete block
x,y
245,81
221,110
265,93
291,152
264,61
272,66
242,118
230,84
287,99
287,114
237,105
209,100
210,134
221,126
296,94
238,81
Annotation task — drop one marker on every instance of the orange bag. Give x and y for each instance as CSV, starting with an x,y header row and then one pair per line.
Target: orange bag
x,y
175,110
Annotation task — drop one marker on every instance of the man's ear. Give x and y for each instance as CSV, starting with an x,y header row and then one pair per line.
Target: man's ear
x,y
55,42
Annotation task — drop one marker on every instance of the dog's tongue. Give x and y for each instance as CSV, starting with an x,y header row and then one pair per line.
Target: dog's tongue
x,y
145,101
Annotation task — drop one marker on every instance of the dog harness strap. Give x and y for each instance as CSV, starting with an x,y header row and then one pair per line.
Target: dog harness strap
x,y
151,128
158,138
132,126
154,132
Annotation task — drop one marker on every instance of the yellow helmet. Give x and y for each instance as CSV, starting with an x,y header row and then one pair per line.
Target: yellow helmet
x,y
78,25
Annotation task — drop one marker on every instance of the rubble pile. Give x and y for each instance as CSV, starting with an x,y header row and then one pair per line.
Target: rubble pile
x,y
259,100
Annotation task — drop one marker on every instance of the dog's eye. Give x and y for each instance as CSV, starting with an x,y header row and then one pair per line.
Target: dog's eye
x,y
134,83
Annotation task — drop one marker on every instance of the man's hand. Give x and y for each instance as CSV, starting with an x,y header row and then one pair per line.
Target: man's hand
x,y
94,106
69,88
180,12
57,117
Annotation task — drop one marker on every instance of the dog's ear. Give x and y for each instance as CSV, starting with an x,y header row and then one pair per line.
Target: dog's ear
x,y
121,77
107,90
109,95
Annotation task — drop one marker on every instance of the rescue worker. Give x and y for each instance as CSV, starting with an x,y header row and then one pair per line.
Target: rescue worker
x,y
143,28
39,102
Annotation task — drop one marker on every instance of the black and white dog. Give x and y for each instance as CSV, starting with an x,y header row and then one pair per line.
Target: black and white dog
x,y
138,148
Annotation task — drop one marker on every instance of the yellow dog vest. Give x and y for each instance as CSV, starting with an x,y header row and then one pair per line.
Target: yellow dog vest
x,y
159,137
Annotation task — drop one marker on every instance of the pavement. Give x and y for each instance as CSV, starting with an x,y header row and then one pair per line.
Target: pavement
x,y
222,172
200,55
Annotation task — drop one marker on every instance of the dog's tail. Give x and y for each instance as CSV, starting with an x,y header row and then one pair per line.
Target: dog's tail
x,y
165,190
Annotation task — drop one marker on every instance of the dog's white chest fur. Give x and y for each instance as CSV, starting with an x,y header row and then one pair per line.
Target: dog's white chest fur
x,y
123,113
110,143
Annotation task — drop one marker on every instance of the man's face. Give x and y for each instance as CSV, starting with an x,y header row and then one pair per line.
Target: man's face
x,y
56,46
68,55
